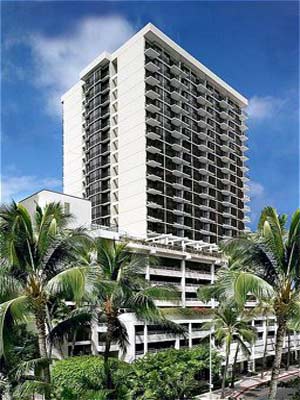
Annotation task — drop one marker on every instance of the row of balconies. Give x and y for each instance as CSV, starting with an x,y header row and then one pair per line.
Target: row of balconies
x,y
178,134
177,83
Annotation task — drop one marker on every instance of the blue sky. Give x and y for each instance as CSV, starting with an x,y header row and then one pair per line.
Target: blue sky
x,y
251,45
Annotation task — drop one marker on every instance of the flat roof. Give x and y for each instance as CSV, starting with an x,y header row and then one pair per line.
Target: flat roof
x,y
152,32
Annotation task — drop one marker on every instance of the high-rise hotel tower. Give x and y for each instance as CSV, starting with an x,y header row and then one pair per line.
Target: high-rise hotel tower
x,y
156,141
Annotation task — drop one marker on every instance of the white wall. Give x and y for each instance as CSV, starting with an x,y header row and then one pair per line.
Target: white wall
x,y
79,208
72,141
132,141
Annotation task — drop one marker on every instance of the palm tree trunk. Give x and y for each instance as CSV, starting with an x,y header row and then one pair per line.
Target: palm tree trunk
x,y
281,329
264,360
288,359
108,340
225,372
40,321
234,365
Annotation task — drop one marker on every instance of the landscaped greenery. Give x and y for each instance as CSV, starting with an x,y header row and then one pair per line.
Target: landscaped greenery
x,y
55,282
168,375
173,374
265,264
83,377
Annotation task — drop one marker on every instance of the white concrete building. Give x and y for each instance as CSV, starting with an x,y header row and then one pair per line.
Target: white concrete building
x,y
78,207
156,141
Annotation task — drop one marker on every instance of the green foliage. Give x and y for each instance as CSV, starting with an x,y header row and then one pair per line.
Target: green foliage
x,y
84,377
172,374
22,346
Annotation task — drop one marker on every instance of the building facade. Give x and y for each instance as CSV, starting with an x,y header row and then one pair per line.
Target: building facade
x,y
156,142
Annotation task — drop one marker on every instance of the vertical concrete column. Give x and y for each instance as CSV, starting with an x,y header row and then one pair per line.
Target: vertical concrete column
x,y
147,272
145,338
94,338
253,349
190,334
177,343
183,283
212,274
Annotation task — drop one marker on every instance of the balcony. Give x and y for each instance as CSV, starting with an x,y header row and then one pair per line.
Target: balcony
x,y
177,96
244,148
246,219
150,66
177,160
225,158
202,112
177,147
224,104
152,204
180,174
202,135
178,212
153,149
151,94
152,190
224,126
201,88
178,122
205,195
203,147
225,169
226,180
153,219
227,225
150,80
175,70
227,203
202,100
153,135
224,115
202,124
243,138
152,122
243,128
152,108
205,231
226,191
153,163
175,83
224,137
154,178
205,183
176,108
151,53
178,185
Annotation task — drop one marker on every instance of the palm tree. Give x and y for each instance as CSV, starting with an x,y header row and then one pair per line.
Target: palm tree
x,y
37,263
121,286
265,310
268,267
228,327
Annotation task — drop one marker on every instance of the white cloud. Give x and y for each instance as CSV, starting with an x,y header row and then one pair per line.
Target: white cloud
x,y
18,187
57,60
267,107
256,189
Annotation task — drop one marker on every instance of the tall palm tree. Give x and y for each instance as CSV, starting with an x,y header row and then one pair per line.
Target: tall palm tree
x,y
268,267
122,287
265,310
37,263
228,327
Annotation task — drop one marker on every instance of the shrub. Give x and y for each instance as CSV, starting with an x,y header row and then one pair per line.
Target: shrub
x,y
83,377
172,374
